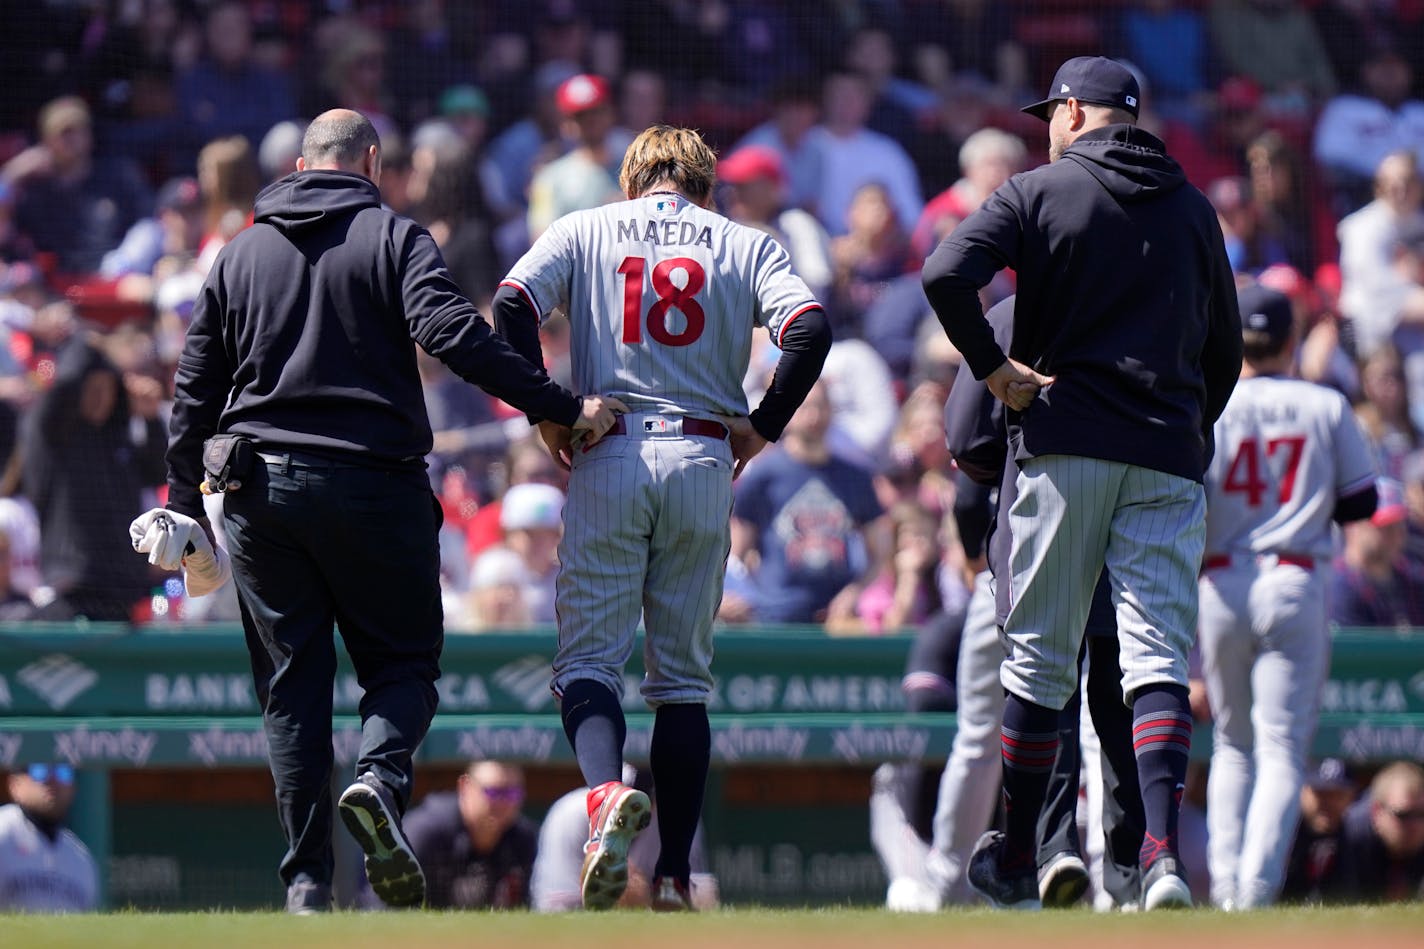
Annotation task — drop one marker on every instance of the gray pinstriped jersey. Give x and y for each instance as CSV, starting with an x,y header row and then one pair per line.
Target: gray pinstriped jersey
x,y
1285,451
662,297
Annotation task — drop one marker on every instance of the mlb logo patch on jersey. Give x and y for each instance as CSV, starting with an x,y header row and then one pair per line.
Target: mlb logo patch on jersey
x,y
667,205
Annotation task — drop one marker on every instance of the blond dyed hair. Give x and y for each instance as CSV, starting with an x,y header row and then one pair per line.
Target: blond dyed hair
x,y
677,156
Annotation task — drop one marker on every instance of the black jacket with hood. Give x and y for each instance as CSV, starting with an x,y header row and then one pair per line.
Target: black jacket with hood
x,y
302,336
1124,293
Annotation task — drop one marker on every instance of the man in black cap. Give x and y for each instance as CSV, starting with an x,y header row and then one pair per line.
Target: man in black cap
x,y
1312,874
1126,345
1290,460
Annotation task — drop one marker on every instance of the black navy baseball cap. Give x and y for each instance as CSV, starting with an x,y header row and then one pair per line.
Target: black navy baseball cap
x,y
1094,79
1328,774
1264,310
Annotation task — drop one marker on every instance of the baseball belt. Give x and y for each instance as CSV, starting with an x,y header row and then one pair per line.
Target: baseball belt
x,y
690,426
1217,561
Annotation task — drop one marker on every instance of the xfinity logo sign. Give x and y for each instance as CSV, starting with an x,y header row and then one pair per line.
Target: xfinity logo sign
x,y
83,745
58,679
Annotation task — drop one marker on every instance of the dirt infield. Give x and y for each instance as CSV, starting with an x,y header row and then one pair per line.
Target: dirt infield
x,y
1358,928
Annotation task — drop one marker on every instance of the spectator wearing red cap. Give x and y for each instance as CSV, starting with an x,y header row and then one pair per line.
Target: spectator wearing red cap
x,y
1373,584
756,195
588,175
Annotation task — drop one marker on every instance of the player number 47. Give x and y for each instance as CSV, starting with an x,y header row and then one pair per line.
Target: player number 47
x,y
670,297
1244,474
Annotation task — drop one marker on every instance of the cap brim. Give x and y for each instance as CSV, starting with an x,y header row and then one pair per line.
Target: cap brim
x,y
1043,110
1389,514
1040,110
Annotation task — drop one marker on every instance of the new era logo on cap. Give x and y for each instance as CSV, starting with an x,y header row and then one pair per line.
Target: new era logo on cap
x,y
1091,79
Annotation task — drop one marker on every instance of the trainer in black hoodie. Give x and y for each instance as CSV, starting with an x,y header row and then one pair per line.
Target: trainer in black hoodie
x,y
1125,348
302,340
1125,296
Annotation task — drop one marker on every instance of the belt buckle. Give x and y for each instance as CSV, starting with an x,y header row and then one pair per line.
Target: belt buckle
x,y
655,426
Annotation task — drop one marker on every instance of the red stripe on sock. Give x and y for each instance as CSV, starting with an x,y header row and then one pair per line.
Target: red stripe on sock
x,y
1155,739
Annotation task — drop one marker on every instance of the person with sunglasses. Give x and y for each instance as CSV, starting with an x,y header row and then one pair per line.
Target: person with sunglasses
x,y
44,867
1382,846
474,843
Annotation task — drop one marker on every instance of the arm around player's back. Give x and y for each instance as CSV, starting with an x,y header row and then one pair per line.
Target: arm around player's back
x,y
447,326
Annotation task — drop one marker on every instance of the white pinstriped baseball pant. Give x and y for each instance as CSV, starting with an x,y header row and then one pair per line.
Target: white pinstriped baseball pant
x,y
1265,656
647,530
1072,516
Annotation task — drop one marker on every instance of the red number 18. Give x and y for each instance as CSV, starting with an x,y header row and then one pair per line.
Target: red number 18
x,y
670,296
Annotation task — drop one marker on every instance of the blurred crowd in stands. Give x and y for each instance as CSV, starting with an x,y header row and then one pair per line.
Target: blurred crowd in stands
x,y
135,134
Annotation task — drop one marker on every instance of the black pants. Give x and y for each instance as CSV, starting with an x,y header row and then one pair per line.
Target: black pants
x,y
1122,798
315,543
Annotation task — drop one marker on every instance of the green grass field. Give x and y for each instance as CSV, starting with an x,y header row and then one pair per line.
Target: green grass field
x,y
1355,928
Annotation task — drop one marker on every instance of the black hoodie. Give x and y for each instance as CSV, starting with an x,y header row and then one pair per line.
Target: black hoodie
x,y
301,336
1124,293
